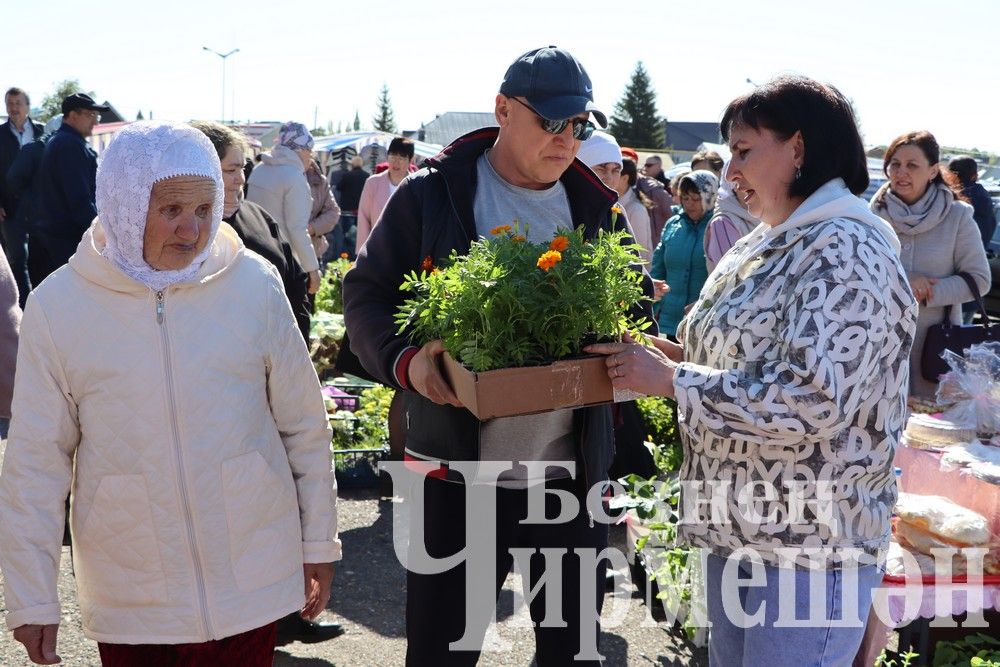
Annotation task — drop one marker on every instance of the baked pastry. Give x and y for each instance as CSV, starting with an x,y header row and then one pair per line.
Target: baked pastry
x,y
947,520
926,432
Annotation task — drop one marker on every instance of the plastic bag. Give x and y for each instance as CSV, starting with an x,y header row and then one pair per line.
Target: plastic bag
x,y
972,388
972,455
944,518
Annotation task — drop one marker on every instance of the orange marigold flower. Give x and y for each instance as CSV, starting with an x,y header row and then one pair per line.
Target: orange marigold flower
x,y
559,244
519,238
427,264
343,255
617,209
502,229
549,259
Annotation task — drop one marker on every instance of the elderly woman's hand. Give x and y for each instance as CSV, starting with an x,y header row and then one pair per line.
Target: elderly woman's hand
x,y
647,370
40,642
319,578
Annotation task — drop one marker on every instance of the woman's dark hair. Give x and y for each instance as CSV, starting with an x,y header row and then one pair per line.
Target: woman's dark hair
x,y
928,145
965,167
688,187
401,146
790,104
630,170
714,160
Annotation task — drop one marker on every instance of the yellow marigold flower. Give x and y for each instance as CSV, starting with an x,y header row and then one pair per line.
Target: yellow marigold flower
x,y
519,238
617,209
559,244
502,229
549,259
435,271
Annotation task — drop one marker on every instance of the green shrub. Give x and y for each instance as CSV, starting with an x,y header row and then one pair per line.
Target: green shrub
x,y
978,650
660,415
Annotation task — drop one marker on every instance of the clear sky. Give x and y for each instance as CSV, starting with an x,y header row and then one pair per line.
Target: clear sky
x,y
906,64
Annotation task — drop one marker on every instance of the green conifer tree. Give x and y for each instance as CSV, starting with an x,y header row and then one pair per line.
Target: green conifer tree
x,y
635,121
384,121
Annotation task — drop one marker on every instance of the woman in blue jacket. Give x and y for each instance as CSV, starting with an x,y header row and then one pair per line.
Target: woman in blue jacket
x,y
679,259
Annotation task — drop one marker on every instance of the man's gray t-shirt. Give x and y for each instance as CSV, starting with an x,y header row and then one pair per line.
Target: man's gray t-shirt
x,y
547,436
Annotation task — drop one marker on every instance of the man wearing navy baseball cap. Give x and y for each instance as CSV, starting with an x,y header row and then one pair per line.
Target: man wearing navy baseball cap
x,y
523,170
67,180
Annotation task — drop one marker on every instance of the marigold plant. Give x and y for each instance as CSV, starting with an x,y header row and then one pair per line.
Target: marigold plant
x,y
511,303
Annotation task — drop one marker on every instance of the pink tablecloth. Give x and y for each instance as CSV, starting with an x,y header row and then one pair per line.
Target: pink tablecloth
x,y
897,605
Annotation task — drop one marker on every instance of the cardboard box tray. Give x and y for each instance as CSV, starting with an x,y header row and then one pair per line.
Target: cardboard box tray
x,y
507,392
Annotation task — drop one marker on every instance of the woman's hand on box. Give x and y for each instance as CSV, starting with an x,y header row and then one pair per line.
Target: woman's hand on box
x,y
647,370
426,378
673,351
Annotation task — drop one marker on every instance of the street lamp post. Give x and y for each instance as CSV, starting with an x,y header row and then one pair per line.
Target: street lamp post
x,y
223,56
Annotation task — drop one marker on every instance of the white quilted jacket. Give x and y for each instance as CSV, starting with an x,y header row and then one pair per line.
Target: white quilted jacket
x,y
190,427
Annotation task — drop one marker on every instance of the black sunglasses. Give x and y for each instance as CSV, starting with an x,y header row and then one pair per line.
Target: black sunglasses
x,y
582,129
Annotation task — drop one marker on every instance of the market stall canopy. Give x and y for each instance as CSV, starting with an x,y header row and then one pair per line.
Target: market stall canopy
x,y
334,152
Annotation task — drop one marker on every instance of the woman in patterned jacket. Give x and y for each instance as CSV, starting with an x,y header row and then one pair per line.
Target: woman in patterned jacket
x,y
791,387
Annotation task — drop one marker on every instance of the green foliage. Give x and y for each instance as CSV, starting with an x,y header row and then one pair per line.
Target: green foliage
x,y
330,295
52,103
384,120
357,121
660,416
883,661
978,650
368,426
656,503
511,303
635,121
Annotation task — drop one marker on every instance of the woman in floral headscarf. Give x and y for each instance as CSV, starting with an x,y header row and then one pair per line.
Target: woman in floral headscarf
x,y
162,383
679,259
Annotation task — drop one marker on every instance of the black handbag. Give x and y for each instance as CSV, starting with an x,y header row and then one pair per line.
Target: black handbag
x,y
955,337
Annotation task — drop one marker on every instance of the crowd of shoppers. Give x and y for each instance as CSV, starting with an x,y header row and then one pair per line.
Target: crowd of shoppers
x,y
164,403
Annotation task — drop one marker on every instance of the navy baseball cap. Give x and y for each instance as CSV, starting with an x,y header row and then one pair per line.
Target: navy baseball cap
x,y
554,83
81,101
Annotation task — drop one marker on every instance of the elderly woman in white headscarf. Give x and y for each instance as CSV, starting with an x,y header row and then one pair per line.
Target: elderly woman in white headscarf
x,y
163,385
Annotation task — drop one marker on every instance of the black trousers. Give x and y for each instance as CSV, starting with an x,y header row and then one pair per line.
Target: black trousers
x,y
435,603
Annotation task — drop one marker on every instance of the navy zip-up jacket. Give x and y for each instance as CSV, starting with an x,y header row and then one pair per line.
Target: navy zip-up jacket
x,y
431,214
68,185
9,149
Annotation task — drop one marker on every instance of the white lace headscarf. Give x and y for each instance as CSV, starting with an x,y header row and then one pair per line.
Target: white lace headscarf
x,y
141,155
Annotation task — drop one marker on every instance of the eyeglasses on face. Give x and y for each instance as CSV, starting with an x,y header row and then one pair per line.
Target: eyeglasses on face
x,y
582,129
92,114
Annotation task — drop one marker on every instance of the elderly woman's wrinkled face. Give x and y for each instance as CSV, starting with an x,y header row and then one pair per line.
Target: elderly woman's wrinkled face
x,y
179,221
